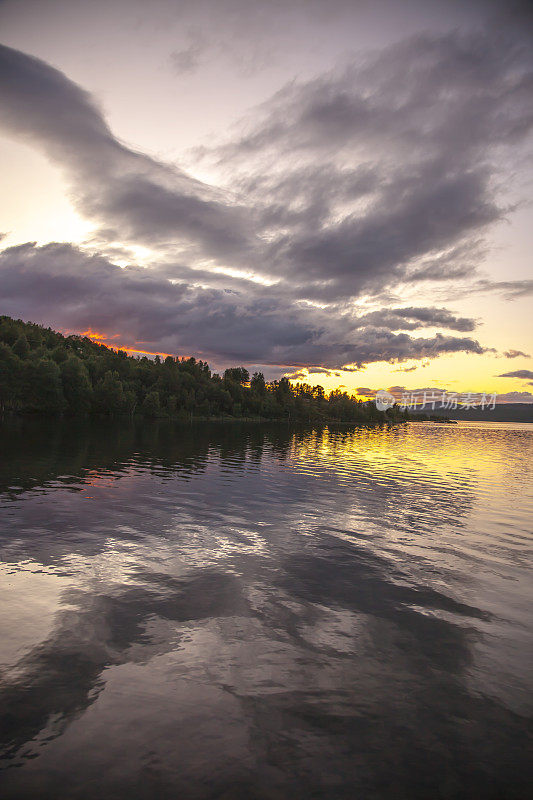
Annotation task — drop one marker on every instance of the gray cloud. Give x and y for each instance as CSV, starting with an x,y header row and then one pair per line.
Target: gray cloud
x,y
515,397
509,289
187,59
135,197
373,177
350,184
369,253
515,354
406,176
74,290
461,96
413,318
518,373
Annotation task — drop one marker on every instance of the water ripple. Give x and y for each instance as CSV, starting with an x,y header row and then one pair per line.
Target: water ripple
x,y
264,612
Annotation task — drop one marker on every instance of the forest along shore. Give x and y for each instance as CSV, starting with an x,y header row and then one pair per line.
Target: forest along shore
x,y
43,371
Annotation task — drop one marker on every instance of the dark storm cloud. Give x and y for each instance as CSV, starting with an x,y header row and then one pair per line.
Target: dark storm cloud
x,y
72,290
525,374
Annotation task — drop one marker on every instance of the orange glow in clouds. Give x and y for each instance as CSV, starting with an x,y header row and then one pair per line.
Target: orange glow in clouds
x,y
105,339
100,338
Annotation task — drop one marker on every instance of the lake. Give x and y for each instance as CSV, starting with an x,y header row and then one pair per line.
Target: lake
x,y
262,611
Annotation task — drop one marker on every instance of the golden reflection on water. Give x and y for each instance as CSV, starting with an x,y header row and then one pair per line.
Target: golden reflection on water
x,y
420,450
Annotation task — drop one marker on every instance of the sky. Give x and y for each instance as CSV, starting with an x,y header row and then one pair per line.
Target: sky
x,y
337,191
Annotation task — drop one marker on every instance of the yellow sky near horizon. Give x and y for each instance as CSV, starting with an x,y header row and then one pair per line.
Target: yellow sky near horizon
x,y
453,373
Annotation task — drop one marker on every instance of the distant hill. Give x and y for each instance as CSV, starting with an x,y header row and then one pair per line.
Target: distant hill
x,y
503,412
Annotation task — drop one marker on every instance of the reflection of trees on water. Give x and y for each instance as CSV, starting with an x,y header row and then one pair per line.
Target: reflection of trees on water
x,y
326,476
37,451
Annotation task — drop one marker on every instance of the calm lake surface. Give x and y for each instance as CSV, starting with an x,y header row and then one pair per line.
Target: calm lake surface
x,y
260,611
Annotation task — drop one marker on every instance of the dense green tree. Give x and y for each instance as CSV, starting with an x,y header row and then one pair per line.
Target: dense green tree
x,y
151,406
171,406
77,387
10,330
130,401
21,348
60,354
109,393
237,374
9,377
41,388
257,384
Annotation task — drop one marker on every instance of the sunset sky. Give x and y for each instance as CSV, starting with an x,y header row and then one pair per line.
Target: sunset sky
x,y
338,191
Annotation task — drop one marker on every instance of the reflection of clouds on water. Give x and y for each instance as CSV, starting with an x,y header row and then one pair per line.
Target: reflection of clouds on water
x,y
309,595
96,630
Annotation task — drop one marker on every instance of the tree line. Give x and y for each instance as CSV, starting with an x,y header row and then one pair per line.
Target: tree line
x,y
42,371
